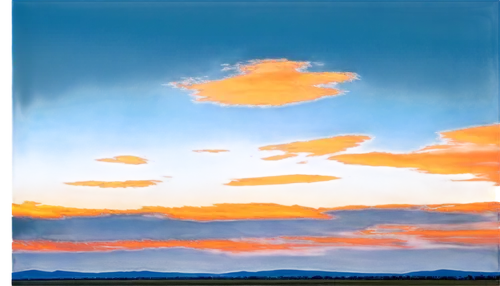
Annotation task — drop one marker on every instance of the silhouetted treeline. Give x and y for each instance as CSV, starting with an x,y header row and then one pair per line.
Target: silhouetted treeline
x,y
393,277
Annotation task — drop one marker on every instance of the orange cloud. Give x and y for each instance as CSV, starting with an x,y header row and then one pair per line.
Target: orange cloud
x,y
117,184
211,151
318,147
484,234
239,211
268,83
481,135
235,211
215,212
226,245
483,207
280,180
302,162
401,237
473,151
466,208
126,159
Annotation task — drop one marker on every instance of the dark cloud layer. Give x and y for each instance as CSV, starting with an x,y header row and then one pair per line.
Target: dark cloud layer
x,y
193,262
124,227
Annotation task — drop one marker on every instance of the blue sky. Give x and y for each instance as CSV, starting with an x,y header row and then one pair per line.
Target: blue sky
x,y
91,81
100,66
89,78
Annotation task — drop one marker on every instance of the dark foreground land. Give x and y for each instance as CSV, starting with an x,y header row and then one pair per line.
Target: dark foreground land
x,y
260,282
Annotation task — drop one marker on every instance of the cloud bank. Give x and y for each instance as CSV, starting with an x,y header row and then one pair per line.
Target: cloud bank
x,y
343,223
207,213
474,150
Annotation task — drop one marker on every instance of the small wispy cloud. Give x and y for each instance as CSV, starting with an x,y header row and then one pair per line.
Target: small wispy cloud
x,y
116,184
283,179
213,151
314,148
124,159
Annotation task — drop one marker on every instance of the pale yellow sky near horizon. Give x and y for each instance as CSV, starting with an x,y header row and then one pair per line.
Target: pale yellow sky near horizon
x,y
198,180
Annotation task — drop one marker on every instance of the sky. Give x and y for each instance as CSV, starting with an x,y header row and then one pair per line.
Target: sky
x,y
257,113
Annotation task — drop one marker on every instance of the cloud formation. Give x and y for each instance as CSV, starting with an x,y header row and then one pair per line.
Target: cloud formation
x,y
236,211
211,151
317,147
158,227
392,236
465,208
270,82
125,159
116,184
280,180
480,234
481,135
226,245
208,213
482,207
474,150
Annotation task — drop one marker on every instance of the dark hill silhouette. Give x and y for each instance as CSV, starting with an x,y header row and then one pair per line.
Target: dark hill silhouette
x,y
316,277
190,262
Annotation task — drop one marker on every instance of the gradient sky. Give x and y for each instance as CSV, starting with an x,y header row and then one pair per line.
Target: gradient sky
x,y
96,80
